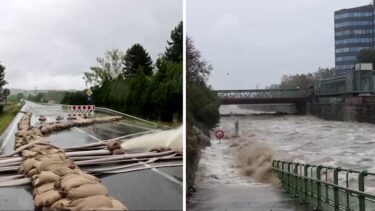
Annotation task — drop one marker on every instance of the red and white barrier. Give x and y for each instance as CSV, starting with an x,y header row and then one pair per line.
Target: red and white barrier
x,y
81,110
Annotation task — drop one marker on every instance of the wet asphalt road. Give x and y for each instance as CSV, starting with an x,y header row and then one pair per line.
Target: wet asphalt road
x,y
153,189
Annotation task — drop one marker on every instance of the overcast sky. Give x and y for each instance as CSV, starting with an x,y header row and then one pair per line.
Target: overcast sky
x,y
49,43
256,42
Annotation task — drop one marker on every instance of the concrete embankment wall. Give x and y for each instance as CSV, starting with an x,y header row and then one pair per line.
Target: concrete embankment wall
x,y
360,109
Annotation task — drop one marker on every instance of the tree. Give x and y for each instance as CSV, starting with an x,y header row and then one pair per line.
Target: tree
x,y
366,56
2,76
174,50
197,68
110,68
137,60
202,104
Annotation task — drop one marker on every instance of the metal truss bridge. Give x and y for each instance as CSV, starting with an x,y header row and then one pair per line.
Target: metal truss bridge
x,y
262,96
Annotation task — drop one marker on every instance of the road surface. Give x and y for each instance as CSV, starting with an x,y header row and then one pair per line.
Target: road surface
x,y
153,189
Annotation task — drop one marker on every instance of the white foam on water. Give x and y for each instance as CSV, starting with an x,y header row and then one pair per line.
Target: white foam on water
x,y
308,139
218,166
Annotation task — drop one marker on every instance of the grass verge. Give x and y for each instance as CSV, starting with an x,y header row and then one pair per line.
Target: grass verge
x,y
8,115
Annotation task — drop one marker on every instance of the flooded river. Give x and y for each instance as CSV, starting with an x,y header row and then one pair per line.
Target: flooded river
x,y
304,139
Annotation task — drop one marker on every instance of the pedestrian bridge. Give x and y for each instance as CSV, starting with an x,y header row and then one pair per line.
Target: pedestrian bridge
x,y
262,96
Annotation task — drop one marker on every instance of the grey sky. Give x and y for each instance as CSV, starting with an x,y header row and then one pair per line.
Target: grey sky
x,y
256,42
49,43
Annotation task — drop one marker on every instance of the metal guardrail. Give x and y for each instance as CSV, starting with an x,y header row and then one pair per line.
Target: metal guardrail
x,y
326,188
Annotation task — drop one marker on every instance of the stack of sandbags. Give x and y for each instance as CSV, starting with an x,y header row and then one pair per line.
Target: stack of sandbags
x,y
24,123
58,183
83,122
24,137
108,119
51,126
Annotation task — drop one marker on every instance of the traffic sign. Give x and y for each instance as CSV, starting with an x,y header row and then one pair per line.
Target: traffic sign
x,y
6,92
219,134
89,92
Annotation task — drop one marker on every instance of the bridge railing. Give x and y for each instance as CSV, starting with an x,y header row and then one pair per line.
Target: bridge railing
x,y
262,93
326,188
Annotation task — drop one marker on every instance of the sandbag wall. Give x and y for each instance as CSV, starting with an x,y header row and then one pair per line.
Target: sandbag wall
x,y
57,182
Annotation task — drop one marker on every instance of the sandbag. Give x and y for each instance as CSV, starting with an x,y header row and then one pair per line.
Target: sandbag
x,y
32,172
89,203
60,204
46,199
87,190
116,204
26,154
27,165
49,165
75,181
46,177
43,188
62,171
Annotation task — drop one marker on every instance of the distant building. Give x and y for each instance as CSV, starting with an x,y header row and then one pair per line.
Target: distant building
x,y
354,31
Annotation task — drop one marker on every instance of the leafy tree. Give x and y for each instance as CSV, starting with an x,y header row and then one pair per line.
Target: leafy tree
x,y
110,68
197,68
202,104
366,56
137,60
2,75
175,47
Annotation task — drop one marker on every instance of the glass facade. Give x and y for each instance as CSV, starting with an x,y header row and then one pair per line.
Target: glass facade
x,y
353,14
354,31
351,49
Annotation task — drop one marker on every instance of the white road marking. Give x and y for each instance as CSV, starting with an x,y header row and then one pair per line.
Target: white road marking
x,y
167,176
136,126
86,133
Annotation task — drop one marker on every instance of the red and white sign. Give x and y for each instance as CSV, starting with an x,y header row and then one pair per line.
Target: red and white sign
x,y
219,134
81,110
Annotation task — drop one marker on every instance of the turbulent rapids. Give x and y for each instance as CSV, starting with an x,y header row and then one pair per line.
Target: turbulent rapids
x,y
63,178
246,160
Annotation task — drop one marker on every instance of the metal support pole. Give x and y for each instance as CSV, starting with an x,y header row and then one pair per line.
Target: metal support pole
x,y
296,190
306,168
361,187
335,189
283,175
288,182
318,188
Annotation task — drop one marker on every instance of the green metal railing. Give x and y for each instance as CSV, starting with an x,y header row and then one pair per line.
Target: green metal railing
x,y
326,188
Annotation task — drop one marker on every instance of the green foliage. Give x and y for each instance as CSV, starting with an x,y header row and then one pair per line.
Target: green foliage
x,y
74,98
137,60
7,116
197,68
174,50
16,98
2,75
202,104
304,81
135,89
110,68
366,56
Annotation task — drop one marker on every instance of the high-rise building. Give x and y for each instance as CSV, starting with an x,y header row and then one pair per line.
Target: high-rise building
x,y
354,31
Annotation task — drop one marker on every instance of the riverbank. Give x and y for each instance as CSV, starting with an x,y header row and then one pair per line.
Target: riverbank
x,y
298,138
222,182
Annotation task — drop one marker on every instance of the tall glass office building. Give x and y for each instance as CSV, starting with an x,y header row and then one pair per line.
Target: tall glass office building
x,y
354,31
